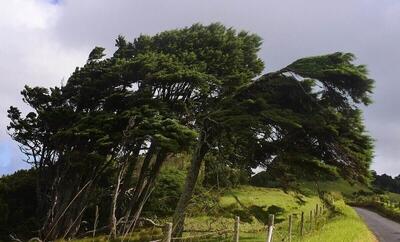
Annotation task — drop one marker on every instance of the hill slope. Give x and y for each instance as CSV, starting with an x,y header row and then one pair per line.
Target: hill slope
x,y
216,211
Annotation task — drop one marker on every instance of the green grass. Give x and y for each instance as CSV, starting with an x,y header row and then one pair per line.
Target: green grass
x,y
393,196
249,196
253,204
138,236
340,186
346,227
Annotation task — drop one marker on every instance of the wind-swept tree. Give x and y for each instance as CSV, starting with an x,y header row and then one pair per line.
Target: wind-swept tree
x,y
96,122
303,118
193,70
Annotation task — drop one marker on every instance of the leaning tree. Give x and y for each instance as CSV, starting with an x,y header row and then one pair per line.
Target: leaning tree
x,y
304,118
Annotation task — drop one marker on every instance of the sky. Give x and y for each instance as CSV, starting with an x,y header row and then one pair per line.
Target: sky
x,y
42,41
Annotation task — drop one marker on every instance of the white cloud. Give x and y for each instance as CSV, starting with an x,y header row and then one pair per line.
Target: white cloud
x,y
27,14
29,54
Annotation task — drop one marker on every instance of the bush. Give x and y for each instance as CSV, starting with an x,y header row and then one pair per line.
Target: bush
x,y
264,179
18,205
168,188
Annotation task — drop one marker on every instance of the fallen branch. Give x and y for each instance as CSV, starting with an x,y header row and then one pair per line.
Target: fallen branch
x,y
14,238
151,222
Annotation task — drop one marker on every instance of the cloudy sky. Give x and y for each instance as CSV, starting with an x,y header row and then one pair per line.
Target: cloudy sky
x,y
42,41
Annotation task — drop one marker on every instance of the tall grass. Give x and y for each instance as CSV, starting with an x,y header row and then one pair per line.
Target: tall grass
x,y
345,227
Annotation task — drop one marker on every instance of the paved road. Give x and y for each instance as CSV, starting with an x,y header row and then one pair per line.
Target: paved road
x,y
385,229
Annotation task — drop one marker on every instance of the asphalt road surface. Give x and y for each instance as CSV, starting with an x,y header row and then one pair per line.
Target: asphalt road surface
x,y
385,229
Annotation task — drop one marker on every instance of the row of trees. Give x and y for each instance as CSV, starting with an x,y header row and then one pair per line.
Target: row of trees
x,y
196,90
386,182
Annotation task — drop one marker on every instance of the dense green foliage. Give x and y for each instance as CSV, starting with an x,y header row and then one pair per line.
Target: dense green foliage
x,y
385,182
18,204
166,194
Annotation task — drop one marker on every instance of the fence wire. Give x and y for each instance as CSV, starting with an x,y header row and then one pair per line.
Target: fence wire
x,y
280,231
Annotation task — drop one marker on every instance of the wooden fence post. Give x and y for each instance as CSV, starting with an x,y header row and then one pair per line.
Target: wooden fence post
x,y
270,227
316,216
236,229
167,232
290,227
302,224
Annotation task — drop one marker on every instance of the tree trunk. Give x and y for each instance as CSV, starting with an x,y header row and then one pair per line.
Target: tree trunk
x,y
190,183
68,200
141,181
143,171
127,179
113,217
145,193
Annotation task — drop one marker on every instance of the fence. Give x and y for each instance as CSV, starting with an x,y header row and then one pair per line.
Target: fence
x,y
288,232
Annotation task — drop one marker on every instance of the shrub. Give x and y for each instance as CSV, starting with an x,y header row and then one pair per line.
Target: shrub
x,y
264,179
166,194
18,205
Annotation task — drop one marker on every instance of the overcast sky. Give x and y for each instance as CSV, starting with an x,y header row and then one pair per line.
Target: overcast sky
x,y
42,41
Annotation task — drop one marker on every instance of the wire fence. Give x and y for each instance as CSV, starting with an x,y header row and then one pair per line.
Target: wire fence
x,y
293,229
299,226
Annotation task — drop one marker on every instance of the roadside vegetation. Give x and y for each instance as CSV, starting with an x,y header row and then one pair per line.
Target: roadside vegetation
x,y
382,204
347,226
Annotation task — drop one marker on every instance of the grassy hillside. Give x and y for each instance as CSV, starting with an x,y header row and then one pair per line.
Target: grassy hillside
x,y
338,186
343,225
253,204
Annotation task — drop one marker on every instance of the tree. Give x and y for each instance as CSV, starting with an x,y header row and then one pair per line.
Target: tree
x,y
303,116
386,182
97,121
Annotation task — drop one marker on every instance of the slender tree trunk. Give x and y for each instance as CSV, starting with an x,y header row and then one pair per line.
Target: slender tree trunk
x,y
141,180
69,199
190,183
144,169
145,192
113,217
132,162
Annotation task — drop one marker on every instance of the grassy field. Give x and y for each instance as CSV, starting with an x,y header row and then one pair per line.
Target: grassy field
x,y
253,204
342,226
339,186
